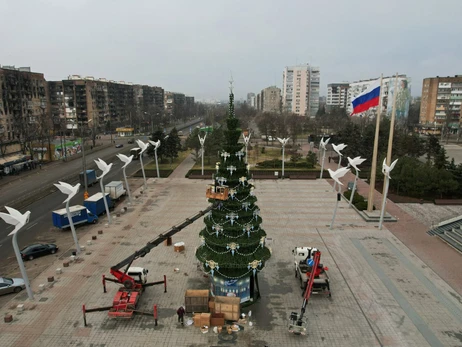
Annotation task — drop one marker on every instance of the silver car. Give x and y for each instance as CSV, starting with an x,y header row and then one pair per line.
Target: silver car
x,y
11,285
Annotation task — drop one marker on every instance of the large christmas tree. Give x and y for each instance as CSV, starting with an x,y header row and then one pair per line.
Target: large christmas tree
x,y
232,248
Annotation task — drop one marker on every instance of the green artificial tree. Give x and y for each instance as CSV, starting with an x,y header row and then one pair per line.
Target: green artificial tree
x,y
233,249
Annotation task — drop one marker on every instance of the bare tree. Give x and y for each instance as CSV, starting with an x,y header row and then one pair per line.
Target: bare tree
x,y
44,133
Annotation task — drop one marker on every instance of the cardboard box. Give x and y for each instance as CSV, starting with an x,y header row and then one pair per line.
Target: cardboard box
x,y
197,320
230,306
212,306
217,319
205,319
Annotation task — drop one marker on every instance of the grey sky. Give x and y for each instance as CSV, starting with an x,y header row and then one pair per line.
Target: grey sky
x,y
191,46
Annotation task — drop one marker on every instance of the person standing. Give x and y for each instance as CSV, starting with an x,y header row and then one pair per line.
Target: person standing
x,y
180,312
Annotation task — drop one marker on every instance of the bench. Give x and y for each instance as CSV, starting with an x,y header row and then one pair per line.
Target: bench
x,y
260,176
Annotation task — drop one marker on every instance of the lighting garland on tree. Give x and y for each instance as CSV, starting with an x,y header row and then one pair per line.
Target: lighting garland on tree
x,y
232,236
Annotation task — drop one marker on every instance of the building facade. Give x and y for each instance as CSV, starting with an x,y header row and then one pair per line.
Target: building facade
x,y
441,103
300,90
337,96
251,101
358,87
270,100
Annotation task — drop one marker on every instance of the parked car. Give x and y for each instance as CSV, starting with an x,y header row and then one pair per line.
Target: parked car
x,y
131,141
11,285
37,250
119,145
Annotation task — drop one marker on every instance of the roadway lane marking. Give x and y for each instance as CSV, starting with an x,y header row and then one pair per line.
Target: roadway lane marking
x,y
30,226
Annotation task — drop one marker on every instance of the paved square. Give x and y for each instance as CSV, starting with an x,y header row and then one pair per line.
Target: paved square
x,y
382,294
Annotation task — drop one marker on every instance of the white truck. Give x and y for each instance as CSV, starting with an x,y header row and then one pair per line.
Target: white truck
x,y
115,189
303,260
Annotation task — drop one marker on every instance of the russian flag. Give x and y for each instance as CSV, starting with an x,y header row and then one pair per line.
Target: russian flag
x,y
367,99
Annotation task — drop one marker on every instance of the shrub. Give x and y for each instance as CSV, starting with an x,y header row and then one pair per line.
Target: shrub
x,y
358,200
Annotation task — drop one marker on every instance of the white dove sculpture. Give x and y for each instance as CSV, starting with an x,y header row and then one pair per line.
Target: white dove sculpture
x,y
143,146
68,189
387,169
323,143
355,162
339,173
16,218
339,148
125,159
103,166
283,141
155,144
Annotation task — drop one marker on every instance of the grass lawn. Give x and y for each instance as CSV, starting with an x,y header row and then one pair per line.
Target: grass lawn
x,y
166,165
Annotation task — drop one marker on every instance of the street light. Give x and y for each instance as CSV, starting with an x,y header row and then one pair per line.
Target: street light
x,y
71,191
283,143
14,217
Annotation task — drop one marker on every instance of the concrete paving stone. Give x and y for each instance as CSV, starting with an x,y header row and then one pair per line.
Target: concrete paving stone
x,y
362,312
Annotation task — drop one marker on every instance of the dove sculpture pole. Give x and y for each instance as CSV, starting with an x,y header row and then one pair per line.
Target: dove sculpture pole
x,y
283,143
156,145
202,141
71,191
105,168
127,161
336,175
322,145
16,218
246,142
338,149
354,163
386,172
143,147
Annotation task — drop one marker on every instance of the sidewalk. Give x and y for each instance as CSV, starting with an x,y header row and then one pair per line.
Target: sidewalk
x,y
383,294
440,257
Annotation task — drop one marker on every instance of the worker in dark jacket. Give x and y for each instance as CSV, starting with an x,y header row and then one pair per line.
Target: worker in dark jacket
x,y
180,312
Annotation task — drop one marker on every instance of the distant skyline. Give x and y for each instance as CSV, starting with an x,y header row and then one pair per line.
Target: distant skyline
x,y
192,47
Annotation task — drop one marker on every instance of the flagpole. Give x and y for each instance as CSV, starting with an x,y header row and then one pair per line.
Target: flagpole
x,y
370,202
392,127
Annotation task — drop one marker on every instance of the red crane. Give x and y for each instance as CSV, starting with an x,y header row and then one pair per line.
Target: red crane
x,y
127,297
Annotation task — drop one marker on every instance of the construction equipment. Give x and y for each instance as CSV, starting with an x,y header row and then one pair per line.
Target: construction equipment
x,y
316,279
127,297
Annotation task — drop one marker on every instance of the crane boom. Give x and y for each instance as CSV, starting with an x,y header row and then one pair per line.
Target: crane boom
x,y
128,281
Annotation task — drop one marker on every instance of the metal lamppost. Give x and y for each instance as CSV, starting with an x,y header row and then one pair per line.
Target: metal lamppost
x,y
202,141
71,191
335,175
386,172
354,163
127,161
322,147
143,147
156,145
337,149
283,143
246,142
14,217
105,168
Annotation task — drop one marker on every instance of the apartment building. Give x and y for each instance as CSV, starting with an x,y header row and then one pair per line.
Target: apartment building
x,y
23,100
300,90
174,103
269,100
441,103
388,82
251,101
337,96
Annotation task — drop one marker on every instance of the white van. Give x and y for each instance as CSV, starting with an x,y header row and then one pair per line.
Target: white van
x,y
139,274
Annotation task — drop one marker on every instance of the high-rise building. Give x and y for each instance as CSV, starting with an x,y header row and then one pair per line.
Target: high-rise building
x,y
251,102
337,96
23,100
358,87
300,90
269,100
441,98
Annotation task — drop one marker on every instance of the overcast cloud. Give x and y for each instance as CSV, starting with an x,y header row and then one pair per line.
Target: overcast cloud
x,y
191,46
